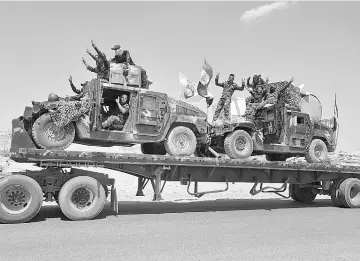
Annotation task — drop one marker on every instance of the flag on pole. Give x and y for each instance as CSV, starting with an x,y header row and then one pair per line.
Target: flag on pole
x,y
206,76
188,88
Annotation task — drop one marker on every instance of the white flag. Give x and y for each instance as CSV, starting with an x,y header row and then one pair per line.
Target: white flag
x,y
189,88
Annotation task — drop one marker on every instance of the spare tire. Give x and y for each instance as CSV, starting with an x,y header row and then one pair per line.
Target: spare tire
x,y
181,141
47,135
238,145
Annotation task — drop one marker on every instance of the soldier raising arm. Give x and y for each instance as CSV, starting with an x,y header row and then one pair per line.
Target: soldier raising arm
x,y
225,101
92,69
73,86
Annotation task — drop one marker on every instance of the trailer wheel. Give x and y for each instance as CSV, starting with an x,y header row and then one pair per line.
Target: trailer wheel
x,y
153,148
334,191
301,194
349,193
238,145
47,136
181,141
21,198
316,152
276,157
82,198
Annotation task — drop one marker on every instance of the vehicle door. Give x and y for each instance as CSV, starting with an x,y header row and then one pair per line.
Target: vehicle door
x,y
299,129
151,114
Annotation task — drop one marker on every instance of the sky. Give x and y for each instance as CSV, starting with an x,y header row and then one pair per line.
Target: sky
x,y
317,43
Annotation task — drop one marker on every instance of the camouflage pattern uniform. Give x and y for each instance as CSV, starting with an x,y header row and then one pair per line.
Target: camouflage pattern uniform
x,y
257,81
102,64
284,92
255,102
225,100
117,120
82,94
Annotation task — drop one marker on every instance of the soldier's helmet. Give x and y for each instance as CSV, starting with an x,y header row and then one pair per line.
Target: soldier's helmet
x,y
53,97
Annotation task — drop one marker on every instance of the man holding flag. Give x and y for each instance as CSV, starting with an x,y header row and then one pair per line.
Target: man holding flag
x,y
225,101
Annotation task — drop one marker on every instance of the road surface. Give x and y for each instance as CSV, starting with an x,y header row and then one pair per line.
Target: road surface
x,y
208,230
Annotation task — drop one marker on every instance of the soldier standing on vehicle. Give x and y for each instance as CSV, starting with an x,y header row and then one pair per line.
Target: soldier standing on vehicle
x,y
225,101
257,81
102,64
123,56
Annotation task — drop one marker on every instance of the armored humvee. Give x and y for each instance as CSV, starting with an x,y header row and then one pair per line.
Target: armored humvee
x,y
279,133
158,122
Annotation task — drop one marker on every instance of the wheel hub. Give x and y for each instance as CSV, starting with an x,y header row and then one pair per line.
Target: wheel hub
x,y
354,191
318,151
240,143
82,197
182,142
53,132
15,199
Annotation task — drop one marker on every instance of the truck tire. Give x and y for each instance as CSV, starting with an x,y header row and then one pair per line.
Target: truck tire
x,y
301,194
46,135
276,157
334,191
181,141
21,198
349,193
316,152
82,198
153,148
238,145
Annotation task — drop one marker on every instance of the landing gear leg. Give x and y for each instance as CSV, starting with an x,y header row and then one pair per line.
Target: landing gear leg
x,y
141,186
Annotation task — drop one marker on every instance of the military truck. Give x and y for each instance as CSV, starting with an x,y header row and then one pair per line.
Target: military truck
x,y
158,122
279,133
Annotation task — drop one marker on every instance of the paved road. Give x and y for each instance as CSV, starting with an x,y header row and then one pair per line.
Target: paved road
x,y
220,230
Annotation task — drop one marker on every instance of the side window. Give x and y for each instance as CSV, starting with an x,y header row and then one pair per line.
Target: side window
x,y
300,120
148,108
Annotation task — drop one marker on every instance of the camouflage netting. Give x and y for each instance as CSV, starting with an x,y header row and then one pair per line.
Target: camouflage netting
x,y
63,112
291,96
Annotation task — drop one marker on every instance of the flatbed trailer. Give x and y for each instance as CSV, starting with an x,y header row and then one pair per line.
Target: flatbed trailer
x,y
81,194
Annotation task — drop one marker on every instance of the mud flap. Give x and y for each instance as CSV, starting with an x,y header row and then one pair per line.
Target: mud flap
x,y
20,137
114,199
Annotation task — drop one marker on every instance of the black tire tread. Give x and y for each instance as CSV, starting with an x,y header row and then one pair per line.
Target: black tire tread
x,y
37,198
228,143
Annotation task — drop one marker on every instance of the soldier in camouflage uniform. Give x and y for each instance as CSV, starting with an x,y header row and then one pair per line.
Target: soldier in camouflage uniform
x,y
291,96
276,92
102,64
123,56
225,101
82,94
267,95
119,118
257,81
256,101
